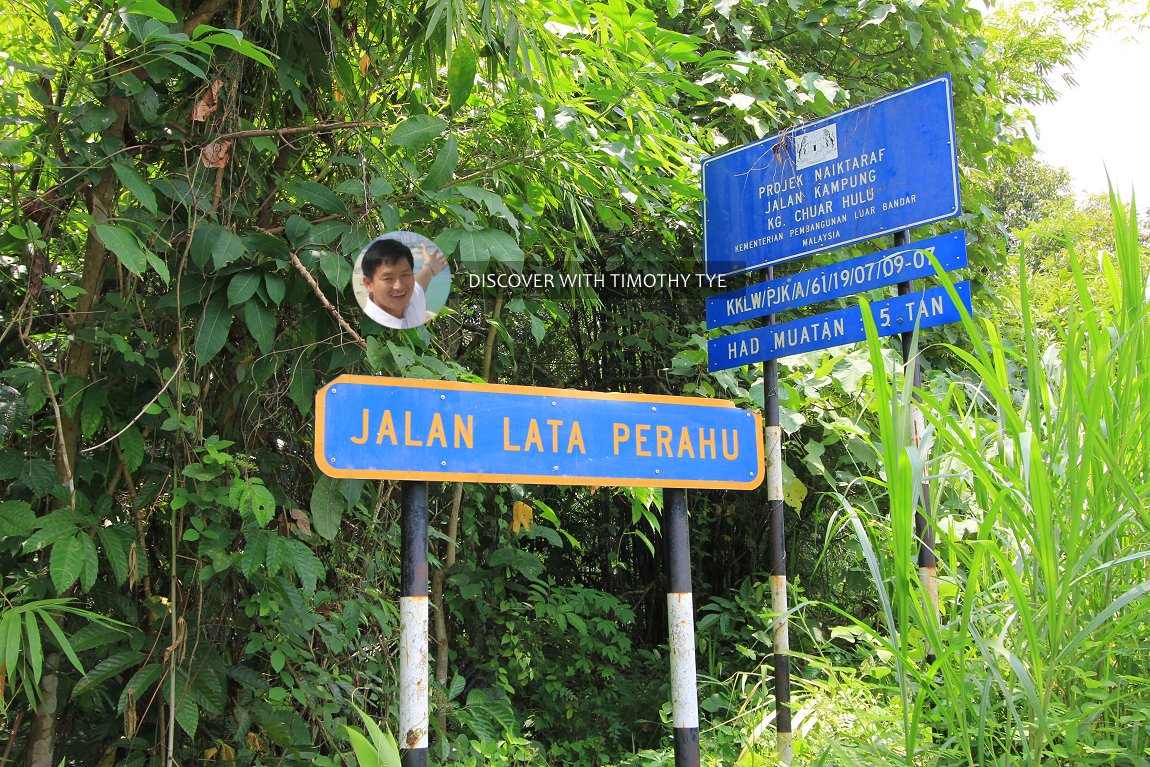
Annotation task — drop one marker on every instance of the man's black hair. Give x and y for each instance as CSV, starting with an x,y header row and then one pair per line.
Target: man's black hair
x,y
385,252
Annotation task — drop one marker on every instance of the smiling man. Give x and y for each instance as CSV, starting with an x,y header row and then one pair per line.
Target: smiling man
x,y
397,296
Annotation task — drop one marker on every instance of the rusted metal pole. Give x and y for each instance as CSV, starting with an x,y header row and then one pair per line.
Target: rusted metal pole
x,y
923,530
681,630
778,560
413,669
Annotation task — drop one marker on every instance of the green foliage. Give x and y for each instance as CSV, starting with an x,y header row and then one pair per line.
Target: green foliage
x,y
1047,551
185,185
380,751
24,627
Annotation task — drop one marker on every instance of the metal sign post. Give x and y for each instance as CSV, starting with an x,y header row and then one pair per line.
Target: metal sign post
x,y
681,631
923,529
413,673
781,639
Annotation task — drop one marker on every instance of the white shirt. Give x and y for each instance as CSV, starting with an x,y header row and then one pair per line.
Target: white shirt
x,y
414,316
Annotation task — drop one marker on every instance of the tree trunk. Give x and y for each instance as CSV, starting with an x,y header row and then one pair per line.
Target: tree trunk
x,y
42,738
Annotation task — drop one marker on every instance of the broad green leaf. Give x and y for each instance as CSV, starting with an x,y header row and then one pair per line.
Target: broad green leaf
x,y
385,746
109,667
131,444
524,562
243,286
13,638
62,641
337,268
16,519
252,499
34,652
301,391
152,9
327,507
276,554
417,131
66,562
275,286
207,685
124,244
365,752
443,168
91,566
141,682
116,543
184,64
53,527
215,242
914,31
93,414
159,267
298,230
315,193
461,75
240,46
137,184
255,552
305,564
40,476
212,333
188,714
261,323
479,248
491,201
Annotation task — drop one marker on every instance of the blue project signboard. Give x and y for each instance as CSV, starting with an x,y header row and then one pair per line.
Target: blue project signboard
x,y
880,167
855,275
390,428
924,309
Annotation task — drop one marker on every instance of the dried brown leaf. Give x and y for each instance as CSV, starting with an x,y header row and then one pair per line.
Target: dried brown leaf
x,y
208,103
216,154
300,518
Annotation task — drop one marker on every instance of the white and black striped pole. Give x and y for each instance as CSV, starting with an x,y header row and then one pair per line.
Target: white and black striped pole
x,y
681,626
413,669
923,530
778,560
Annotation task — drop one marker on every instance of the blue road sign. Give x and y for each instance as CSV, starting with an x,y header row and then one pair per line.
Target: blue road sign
x,y
389,428
856,275
886,165
892,316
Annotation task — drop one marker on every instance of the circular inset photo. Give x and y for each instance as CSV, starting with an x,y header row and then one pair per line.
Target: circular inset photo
x,y
401,279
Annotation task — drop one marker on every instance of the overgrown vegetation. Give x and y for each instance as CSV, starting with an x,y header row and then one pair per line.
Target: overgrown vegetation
x,y
182,188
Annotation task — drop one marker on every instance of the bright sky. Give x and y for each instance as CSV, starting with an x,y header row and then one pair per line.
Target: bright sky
x,y
1103,123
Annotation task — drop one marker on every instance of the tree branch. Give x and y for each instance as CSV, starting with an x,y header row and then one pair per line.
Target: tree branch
x,y
202,15
328,127
327,304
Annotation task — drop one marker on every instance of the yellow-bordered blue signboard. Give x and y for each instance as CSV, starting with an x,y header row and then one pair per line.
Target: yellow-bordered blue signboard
x,y
390,428
881,167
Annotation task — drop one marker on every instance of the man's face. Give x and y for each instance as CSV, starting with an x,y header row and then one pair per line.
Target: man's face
x,y
391,286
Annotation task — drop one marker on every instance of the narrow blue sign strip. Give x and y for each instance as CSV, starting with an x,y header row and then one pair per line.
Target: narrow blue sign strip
x,y
886,165
449,431
856,275
892,316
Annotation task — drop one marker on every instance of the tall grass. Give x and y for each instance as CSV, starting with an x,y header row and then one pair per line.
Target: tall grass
x,y
1043,649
